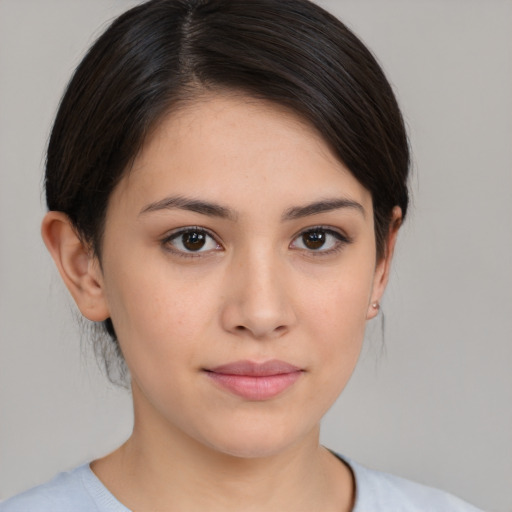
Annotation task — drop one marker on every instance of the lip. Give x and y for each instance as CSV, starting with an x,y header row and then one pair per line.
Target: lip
x,y
255,381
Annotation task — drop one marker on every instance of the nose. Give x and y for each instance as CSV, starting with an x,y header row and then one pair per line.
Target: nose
x,y
257,300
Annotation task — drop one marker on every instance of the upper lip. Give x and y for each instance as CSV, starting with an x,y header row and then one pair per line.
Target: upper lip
x,y
254,369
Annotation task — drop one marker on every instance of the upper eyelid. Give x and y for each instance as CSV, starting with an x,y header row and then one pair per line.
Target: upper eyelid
x,y
327,229
170,235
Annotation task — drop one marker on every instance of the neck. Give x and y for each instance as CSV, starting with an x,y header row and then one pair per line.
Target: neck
x,y
162,468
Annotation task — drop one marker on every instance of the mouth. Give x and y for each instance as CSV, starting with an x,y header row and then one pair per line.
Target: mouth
x,y
255,381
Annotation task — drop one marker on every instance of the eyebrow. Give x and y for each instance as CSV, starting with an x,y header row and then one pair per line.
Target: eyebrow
x,y
322,206
215,210
193,205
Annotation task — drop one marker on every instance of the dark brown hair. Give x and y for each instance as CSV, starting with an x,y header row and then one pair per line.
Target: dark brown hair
x,y
164,53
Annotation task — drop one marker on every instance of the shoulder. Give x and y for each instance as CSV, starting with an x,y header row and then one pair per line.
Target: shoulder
x,y
77,490
381,492
64,493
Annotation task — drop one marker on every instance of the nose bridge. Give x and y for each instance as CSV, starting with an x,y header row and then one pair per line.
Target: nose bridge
x,y
261,278
259,303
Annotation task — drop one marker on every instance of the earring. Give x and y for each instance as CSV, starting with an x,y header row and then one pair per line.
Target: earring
x,y
375,305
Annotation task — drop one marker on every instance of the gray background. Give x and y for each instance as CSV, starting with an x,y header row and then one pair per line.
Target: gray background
x,y
432,397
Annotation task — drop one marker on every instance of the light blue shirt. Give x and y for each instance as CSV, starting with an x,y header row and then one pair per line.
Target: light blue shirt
x,y
80,490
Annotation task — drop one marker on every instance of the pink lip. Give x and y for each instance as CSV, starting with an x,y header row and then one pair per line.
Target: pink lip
x,y
255,381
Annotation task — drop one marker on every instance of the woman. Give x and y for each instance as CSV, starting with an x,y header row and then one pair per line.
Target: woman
x,y
225,183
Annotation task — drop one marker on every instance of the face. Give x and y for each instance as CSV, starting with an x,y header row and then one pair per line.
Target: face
x,y
239,268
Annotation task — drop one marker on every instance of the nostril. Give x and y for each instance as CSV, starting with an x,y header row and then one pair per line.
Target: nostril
x,y
279,330
242,329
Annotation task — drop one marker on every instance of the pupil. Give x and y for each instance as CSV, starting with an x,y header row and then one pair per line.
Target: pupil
x,y
193,241
313,239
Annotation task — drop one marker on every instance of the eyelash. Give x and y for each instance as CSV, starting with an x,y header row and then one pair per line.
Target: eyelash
x,y
167,241
341,241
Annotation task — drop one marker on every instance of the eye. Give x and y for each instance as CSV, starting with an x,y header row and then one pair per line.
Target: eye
x,y
191,240
319,239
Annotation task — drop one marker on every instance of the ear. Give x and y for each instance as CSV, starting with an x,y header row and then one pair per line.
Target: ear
x,y
381,277
79,269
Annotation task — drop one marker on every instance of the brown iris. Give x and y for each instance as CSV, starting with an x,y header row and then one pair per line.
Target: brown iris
x,y
193,240
314,239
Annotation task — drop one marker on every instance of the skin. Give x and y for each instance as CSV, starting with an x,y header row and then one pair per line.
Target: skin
x,y
255,291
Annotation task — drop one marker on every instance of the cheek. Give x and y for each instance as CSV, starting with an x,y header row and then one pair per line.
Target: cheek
x,y
337,304
157,313
339,329
336,319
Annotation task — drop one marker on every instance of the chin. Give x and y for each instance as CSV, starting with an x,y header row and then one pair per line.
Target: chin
x,y
250,450
257,441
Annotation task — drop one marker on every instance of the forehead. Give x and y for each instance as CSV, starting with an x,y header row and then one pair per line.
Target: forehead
x,y
239,149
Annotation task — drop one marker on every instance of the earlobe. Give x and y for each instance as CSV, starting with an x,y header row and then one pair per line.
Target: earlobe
x,y
383,267
78,268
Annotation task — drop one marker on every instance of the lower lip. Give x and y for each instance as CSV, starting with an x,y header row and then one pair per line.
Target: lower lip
x,y
256,388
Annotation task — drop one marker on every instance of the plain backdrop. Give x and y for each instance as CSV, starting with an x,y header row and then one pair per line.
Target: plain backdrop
x,y
431,399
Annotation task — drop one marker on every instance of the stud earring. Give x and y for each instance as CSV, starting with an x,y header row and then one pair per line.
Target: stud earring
x,y
375,305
